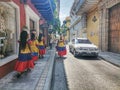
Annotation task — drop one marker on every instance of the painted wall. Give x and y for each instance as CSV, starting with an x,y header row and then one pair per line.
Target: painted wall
x,y
21,22
93,27
68,26
22,13
34,17
7,64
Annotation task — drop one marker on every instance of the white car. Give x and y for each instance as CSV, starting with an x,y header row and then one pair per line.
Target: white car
x,y
83,47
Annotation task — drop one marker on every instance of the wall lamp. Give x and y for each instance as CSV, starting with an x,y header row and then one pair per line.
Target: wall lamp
x,y
94,19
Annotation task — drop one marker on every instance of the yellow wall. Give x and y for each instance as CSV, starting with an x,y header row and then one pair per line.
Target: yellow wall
x,y
68,25
93,27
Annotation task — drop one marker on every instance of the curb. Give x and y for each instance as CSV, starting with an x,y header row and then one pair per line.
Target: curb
x,y
109,61
47,85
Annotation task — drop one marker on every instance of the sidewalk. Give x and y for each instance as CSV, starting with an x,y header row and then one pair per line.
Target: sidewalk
x,y
111,57
38,79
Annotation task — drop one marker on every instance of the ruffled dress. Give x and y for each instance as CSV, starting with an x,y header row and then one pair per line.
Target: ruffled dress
x,y
34,49
24,60
61,48
41,47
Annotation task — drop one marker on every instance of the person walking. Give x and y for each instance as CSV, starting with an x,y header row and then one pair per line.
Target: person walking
x,y
61,48
51,42
34,49
24,61
41,46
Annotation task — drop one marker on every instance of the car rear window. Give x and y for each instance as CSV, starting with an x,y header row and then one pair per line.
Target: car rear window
x,y
85,41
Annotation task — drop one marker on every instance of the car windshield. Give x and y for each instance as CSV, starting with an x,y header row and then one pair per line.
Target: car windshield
x,y
83,41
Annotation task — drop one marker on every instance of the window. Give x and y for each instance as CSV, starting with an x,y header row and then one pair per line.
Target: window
x,y
32,24
83,41
8,32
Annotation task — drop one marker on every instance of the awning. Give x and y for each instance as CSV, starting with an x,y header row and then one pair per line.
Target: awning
x,y
46,8
85,5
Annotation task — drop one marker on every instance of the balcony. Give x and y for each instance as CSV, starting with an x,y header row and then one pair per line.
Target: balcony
x,y
84,5
46,8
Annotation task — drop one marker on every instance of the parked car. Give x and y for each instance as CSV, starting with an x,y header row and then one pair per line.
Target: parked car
x,y
83,47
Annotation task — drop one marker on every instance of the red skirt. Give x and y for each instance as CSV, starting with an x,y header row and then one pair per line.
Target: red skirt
x,y
62,53
35,58
21,66
42,51
30,64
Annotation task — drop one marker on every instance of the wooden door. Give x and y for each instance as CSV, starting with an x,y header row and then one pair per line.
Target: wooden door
x,y
114,29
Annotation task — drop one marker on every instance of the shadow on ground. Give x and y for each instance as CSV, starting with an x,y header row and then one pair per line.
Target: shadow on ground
x,y
88,58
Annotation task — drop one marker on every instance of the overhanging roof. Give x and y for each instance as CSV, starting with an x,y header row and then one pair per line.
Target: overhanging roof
x,y
46,8
85,5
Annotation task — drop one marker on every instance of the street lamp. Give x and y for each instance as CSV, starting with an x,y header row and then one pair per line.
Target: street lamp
x,y
94,19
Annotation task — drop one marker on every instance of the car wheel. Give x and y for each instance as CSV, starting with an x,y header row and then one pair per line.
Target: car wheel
x,y
74,53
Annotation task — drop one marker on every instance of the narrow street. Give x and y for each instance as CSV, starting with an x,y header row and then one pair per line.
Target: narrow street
x,y
34,40
85,73
59,77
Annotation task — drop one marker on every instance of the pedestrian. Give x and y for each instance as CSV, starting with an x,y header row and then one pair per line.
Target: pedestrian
x,y
34,32
41,45
43,38
24,61
61,48
51,42
34,49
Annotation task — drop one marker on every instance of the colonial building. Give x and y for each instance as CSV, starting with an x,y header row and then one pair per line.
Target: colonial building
x,y
103,22
88,10
14,15
78,22
46,8
9,32
68,21
109,11
32,20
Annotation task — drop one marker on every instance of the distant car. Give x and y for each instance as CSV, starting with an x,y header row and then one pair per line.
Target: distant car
x,y
83,47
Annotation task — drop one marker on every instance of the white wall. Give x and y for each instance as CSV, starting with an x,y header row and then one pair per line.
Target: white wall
x,y
30,14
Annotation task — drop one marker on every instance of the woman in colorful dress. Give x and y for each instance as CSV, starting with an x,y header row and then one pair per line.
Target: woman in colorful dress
x,y
24,61
34,49
61,48
41,46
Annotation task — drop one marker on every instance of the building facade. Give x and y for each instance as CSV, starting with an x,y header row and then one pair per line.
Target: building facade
x,y
78,23
109,11
46,8
103,22
14,15
9,32
93,25
68,21
89,19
